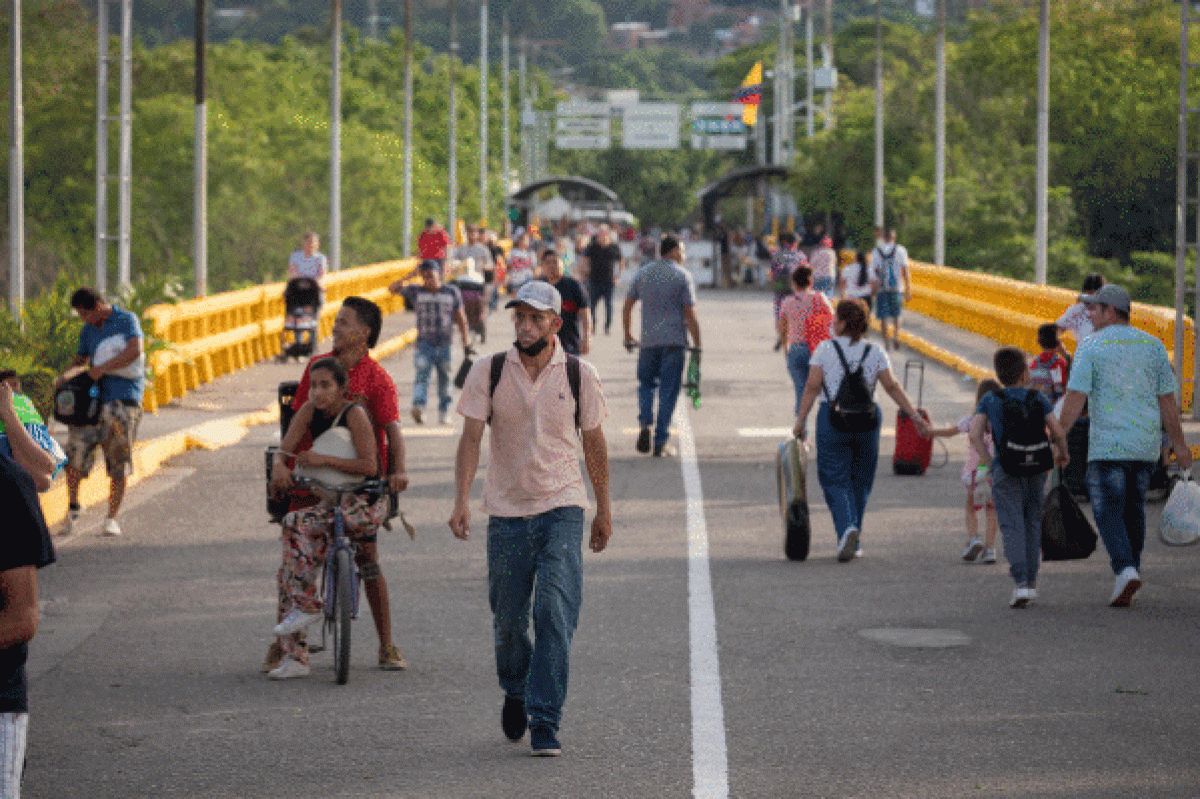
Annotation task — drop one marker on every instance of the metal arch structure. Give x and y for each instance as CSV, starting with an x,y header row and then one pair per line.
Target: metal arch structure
x,y
583,192
710,195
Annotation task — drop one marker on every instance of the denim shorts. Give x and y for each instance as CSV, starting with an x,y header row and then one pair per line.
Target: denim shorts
x,y
889,304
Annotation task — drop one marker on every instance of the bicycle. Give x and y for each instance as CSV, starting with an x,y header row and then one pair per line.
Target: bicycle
x,y
339,578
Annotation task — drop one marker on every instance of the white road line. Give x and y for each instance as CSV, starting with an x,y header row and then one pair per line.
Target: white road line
x,y
710,763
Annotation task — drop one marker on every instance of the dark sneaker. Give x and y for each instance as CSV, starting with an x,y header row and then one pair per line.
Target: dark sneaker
x,y
544,743
513,719
643,442
661,450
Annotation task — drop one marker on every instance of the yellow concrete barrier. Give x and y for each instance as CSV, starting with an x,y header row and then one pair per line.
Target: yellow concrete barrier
x,y
217,335
1009,311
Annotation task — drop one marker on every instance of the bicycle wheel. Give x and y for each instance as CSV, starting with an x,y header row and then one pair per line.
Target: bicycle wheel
x,y
343,576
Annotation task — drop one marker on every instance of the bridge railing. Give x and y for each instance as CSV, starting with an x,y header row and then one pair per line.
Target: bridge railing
x,y
217,335
1009,311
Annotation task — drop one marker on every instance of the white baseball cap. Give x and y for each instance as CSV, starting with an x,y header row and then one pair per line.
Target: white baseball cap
x,y
539,295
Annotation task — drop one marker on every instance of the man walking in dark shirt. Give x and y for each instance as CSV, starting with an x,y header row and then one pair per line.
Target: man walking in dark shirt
x,y
576,331
603,257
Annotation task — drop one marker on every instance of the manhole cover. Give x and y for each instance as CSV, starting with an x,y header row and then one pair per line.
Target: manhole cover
x,y
917,637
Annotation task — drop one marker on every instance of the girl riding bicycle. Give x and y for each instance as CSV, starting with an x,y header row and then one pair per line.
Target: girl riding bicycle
x,y
306,532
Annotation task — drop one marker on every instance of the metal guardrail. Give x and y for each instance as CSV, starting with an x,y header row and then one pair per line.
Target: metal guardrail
x,y
217,335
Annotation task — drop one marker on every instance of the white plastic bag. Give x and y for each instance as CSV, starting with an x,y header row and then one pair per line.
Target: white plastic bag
x,y
1181,517
981,490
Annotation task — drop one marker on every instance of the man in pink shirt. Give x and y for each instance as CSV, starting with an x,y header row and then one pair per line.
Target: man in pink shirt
x,y
535,499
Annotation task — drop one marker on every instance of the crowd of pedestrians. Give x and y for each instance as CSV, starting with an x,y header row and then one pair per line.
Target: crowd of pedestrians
x,y
539,399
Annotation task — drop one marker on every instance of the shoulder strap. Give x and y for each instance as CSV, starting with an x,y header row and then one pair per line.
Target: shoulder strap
x,y
497,369
574,379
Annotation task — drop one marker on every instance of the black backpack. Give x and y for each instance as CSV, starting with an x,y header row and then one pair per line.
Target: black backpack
x,y
852,409
77,401
573,379
1023,448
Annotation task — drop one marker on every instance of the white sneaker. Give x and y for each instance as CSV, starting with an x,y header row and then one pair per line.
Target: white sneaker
x,y
974,547
1020,597
295,621
110,526
848,545
989,556
1127,584
443,418
68,528
289,668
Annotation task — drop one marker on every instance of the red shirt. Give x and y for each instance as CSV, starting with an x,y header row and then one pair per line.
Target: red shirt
x,y
432,243
370,385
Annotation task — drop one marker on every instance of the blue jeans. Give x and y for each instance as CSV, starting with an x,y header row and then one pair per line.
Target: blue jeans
x,y
1019,503
661,368
539,557
1117,490
429,356
797,366
846,469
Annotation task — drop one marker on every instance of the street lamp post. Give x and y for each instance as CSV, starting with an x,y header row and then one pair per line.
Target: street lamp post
x,y
878,113
483,110
335,144
452,170
16,173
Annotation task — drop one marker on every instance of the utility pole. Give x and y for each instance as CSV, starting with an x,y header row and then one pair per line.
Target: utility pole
x,y
335,144
16,173
483,110
408,126
524,105
878,113
200,159
452,171
506,144
939,158
1042,188
808,69
373,20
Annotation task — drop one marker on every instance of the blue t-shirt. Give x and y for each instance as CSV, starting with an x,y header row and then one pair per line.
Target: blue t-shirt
x,y
105,342
664,289
991,407
1123,371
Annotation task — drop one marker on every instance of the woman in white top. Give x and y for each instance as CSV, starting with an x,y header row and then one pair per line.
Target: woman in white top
x,y
307,262
858,279
846,460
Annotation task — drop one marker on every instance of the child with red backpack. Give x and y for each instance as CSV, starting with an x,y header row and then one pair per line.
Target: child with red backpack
x,y
1048,371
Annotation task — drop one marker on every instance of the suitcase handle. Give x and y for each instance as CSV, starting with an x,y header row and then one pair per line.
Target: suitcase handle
x,y
920,383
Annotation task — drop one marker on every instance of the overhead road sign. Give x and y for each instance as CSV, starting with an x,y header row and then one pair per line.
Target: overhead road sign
x,y
577,109
588,125
718,126
705,142
582,142
651,126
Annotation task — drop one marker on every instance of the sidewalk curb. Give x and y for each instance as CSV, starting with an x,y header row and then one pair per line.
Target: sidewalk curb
x,y
149,456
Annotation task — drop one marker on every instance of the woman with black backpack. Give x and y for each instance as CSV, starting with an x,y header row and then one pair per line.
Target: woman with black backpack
x,y
844,371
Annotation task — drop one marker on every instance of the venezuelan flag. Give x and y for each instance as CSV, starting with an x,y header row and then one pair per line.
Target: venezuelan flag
x,y
750,94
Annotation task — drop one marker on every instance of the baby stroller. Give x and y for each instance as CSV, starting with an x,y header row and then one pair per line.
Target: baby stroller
x,y
301,319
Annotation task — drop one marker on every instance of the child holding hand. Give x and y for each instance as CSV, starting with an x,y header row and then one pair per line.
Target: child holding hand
x,y
975,478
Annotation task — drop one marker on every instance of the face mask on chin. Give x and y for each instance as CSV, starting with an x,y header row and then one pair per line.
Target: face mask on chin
x,y
533,350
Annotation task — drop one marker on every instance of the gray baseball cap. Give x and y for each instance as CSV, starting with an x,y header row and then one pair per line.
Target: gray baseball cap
x,y
537,294
1112,295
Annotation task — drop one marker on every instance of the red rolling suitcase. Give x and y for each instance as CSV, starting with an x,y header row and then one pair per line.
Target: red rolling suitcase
x,y
912,449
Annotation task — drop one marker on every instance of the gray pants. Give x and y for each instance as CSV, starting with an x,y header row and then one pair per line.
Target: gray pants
x,y
1019,502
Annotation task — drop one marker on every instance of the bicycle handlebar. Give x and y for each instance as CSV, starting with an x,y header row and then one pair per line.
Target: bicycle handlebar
x,y
370,484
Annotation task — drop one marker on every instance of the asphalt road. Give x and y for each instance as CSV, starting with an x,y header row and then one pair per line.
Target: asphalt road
x,y
145,678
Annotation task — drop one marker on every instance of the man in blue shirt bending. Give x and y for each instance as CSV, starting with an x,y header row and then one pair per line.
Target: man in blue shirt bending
x,y
110,351
1127,380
